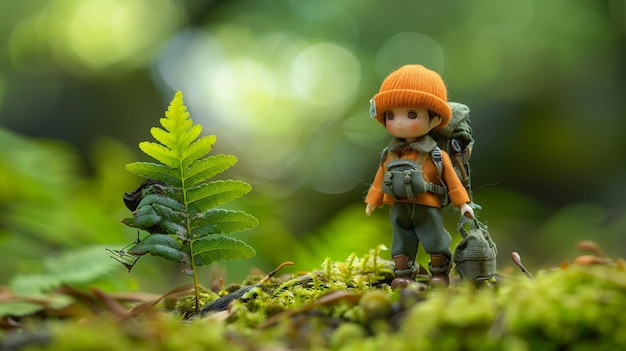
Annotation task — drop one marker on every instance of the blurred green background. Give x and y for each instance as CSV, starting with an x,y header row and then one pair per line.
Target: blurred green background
x,y
285,86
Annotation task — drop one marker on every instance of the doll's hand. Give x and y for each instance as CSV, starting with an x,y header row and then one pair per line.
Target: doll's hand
x,y
369,208
466,210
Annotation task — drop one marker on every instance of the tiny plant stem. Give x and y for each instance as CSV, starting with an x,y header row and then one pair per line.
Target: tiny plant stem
x,y
195,283
188,226
375,258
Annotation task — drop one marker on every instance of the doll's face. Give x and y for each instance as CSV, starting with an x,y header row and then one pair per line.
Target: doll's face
x,y
409,123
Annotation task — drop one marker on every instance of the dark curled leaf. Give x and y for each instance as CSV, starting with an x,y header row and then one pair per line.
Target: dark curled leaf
x,y
220,221
157,199
173,228
169,214
174,222
157,213
221,248
143,218
132,198
161,245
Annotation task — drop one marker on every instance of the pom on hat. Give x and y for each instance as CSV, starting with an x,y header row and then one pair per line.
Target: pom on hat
x,y
412,86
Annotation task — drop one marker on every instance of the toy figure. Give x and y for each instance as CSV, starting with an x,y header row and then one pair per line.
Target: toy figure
x,y
415,176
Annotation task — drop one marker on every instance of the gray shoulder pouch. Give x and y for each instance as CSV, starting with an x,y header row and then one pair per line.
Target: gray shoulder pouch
x,y
403,179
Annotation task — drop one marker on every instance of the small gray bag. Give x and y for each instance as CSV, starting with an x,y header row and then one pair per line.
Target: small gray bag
x,y
475,255
403,179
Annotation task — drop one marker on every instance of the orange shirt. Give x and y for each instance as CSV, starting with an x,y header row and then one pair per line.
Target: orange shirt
x,y
456,191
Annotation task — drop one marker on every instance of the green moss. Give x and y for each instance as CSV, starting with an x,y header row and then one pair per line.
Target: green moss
x,y
163,333
569,307
347,305
186,305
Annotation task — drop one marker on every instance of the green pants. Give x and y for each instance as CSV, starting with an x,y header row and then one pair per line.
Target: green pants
x,y
413,224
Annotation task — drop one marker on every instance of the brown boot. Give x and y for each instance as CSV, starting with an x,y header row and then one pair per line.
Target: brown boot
x,y
439,268
403,272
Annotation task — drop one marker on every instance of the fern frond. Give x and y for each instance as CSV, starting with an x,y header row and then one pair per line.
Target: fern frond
x,y
212,249
160,153
40,302
196,150
163,136
187,139
177,205
19,309
74,268
80,267
220,221
34,283
208,195
181,141
208,167
177,118
160,172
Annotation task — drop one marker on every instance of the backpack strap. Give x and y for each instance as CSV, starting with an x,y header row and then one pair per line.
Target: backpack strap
x,y
383,155
440,190
437,158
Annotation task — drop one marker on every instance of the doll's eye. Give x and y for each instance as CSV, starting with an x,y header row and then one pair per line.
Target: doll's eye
x,y
412,115
389,116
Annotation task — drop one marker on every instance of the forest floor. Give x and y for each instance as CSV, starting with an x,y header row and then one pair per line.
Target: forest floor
x,y
346,305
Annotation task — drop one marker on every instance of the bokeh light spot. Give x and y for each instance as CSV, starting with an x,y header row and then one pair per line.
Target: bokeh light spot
x,y
326,75
244,90
89,36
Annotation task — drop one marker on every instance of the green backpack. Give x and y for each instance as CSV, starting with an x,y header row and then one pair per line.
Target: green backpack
x,y
456,139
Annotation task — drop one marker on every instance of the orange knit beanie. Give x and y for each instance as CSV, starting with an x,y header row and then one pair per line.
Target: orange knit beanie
x,y
412,86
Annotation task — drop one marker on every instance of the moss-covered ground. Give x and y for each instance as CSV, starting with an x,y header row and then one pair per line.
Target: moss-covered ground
x,y
348,305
